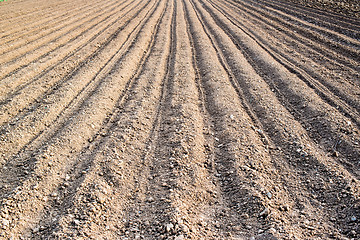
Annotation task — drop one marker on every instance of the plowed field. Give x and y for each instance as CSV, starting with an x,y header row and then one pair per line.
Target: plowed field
x,y
180,119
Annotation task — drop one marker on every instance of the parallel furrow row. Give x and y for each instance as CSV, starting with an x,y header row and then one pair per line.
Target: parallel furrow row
x,y
345,26
259,108
311,39
51,105
35,31
183,119
59,67
34,51
65,141
299,106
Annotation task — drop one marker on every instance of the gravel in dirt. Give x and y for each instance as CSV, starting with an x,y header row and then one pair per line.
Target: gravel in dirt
x,y
184,119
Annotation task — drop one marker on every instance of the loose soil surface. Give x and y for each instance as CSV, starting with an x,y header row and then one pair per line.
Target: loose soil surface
x,y
347,7
183,119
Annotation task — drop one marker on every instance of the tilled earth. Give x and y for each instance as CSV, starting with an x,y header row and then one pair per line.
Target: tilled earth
x,y
181,119
347,7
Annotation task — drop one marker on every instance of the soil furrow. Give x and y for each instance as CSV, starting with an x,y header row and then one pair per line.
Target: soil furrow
x,y
242,192
47,19
250,56
304,50
351,30
34,33
15,80
46,16
178,180
10,21
183,119
35,50
64,69
326,95
310,27
332,40
27,9
341,18
133,120
300,35
342,92
71,92
254,165
71,138
264,113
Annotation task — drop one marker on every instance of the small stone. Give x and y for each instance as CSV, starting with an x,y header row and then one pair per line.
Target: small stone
x,y
180,237
5,223
264,213
185,228
353,218
76,222
307,222
269,195
169,227
101,199
54,194
335,154
272,230
93,209
284,208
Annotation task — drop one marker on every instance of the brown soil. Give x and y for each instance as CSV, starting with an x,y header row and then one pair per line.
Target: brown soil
x,y
184,119
345,7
